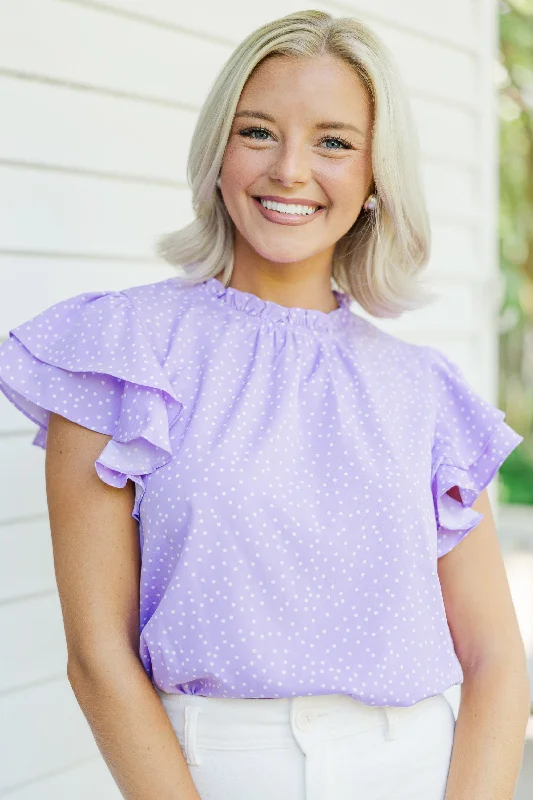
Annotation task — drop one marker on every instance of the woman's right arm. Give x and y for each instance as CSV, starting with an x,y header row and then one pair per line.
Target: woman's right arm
x,y
97,566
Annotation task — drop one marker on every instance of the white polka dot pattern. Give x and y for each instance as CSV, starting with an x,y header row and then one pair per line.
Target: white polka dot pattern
x,y
291,471
471,443
88,359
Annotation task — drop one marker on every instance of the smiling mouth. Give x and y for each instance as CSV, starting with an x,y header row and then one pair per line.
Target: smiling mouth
x,y
290,209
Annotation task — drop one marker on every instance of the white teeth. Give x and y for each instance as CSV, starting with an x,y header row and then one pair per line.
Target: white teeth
x,y
288,209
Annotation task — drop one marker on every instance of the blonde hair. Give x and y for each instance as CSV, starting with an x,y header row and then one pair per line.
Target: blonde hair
x,y
379,260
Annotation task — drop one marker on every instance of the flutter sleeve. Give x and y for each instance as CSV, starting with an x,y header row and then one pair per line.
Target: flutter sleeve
x,y
471,442
88,358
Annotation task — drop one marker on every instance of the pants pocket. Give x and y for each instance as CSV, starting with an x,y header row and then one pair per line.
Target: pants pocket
x,y
190,735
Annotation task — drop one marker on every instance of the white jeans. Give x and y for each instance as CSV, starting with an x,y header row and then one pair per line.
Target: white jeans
x,y
324,747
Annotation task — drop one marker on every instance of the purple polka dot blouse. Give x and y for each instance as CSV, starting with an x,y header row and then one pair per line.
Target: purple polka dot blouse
x,y
291,469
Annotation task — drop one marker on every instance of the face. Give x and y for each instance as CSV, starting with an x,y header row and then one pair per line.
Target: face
x,y
301,134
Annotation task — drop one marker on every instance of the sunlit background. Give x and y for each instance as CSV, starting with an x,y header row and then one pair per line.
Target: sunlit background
x,y
99,100
514,79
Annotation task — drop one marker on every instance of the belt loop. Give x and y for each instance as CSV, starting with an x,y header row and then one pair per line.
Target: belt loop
x,y
189,734
390,730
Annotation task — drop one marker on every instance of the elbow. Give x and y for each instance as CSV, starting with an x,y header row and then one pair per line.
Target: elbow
x,y
500,672
81,672
500,658
99,669
76,667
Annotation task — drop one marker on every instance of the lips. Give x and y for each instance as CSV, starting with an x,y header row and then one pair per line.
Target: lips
x,y
282,218
289,201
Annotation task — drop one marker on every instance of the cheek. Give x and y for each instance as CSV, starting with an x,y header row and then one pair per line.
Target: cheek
x,y
346,181
346,193
242,165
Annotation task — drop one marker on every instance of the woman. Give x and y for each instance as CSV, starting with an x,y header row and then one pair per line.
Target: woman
x,y
293,472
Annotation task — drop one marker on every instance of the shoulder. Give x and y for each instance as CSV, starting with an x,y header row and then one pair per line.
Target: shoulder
x,y
144,300
167,310
385,351
160,296
161,299
124,333
148,301
112,320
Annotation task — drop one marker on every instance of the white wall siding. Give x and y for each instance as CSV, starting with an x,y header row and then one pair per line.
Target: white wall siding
x,y
99,101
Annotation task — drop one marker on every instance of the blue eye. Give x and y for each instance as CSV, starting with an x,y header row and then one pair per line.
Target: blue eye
x,y
346,145
249,134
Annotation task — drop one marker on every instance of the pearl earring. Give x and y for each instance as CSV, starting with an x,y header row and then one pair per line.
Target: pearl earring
x,y
218,183
370,202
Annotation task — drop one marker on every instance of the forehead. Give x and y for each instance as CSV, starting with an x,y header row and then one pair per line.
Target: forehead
x,y
320,84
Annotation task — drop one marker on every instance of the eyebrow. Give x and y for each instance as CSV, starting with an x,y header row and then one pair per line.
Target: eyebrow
x,y
321,125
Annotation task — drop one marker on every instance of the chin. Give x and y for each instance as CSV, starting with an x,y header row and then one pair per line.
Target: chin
x,y
283,254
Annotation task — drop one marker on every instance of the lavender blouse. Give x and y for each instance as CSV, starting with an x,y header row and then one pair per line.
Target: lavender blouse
x,y
290,468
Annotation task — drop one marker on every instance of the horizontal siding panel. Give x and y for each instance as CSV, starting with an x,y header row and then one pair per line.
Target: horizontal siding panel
x,y
32,634
31,744
454,302
454,252
453,20
451,191
11,419
52,280
44,211
465,355
124,137
427,18
28,564
98,133
85,781
22,489
433,68
100,49
446,132
73,43
211,19
232,21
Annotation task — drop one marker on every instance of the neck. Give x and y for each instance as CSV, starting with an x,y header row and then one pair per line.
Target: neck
x,y
304,284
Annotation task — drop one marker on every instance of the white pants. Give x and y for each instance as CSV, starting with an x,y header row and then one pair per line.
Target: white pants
x,y
324,747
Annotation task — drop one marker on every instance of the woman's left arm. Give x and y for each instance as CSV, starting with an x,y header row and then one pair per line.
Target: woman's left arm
x,y
495,695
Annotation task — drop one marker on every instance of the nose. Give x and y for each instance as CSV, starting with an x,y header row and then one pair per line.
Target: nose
x,y
290,165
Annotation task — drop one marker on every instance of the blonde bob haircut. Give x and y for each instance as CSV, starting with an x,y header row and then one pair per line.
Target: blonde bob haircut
x,y
379,260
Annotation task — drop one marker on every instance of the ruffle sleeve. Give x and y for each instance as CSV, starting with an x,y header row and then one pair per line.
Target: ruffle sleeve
x,y
89,359
471,442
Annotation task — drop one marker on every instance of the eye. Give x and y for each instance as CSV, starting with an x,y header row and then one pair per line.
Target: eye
x,y
249,134
345,145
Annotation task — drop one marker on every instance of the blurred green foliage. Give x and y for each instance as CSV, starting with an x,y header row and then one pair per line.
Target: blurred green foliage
x,y
514,74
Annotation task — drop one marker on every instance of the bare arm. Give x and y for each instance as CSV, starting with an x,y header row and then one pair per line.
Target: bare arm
x,y
495,696
97,566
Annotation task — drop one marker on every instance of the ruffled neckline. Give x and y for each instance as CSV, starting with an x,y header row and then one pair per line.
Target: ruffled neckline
x,y
253,305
